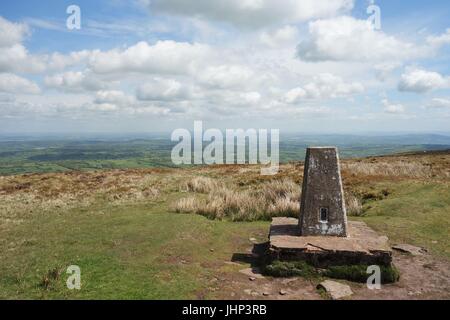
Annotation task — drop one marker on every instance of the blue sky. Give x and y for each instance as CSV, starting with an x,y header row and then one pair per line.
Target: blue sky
x,y
153,65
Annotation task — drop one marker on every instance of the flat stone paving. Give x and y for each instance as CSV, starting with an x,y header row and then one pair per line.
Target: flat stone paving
x,y
362,246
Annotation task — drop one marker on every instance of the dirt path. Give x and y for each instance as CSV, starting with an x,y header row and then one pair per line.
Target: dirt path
x,y
422,277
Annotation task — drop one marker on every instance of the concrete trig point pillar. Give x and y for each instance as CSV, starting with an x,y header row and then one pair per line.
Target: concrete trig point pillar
x,y
322,211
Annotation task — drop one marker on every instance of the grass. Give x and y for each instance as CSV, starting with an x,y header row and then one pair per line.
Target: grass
x,y
290,269
129,252
417,212
120,226
358,273
270,199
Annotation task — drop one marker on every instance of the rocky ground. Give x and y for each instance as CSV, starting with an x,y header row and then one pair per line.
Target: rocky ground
x,y
422,277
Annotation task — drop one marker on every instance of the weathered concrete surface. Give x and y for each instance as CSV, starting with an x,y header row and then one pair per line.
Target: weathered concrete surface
x,y
336,290
322,190
362,246
410,249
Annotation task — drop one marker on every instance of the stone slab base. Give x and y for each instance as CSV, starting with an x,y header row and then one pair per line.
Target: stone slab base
x,y
362,246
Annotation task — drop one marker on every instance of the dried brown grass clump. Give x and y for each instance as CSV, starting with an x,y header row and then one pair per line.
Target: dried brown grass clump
x,y
185,205
389,168
275,198
50,278
353,205
277,189
201,185
26,195
234,204
284,207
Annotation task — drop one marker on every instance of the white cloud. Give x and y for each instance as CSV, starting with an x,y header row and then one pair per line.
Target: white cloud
x,y
438,103
74,81
14,57
252,13
15,84
58,61
226,76
284,36
348,39
440,40
420,81
323,86
384,69
11,33
250,97
163,89
113,97
17,59
164,57
392,108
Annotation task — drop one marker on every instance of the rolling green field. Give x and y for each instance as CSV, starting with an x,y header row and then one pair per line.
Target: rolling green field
x,y
33,155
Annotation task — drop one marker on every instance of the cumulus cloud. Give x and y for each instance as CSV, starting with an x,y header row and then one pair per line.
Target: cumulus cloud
x,y
14,57
440,40
12,83
163,89
113,97
286,35
164,57
17,59
11,33
252,13
324,85
348,39
226,76
74,81
438,103
58,61
420,81
392,108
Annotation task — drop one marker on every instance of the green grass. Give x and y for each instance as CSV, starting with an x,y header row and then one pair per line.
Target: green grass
x,y
143,251
290,269
415,212
38,155
358,273
124,253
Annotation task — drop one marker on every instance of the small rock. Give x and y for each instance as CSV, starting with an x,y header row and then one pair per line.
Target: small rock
x,y
265,293
212,250
252,278
283,292
335,289
248,291
252,239
407,248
